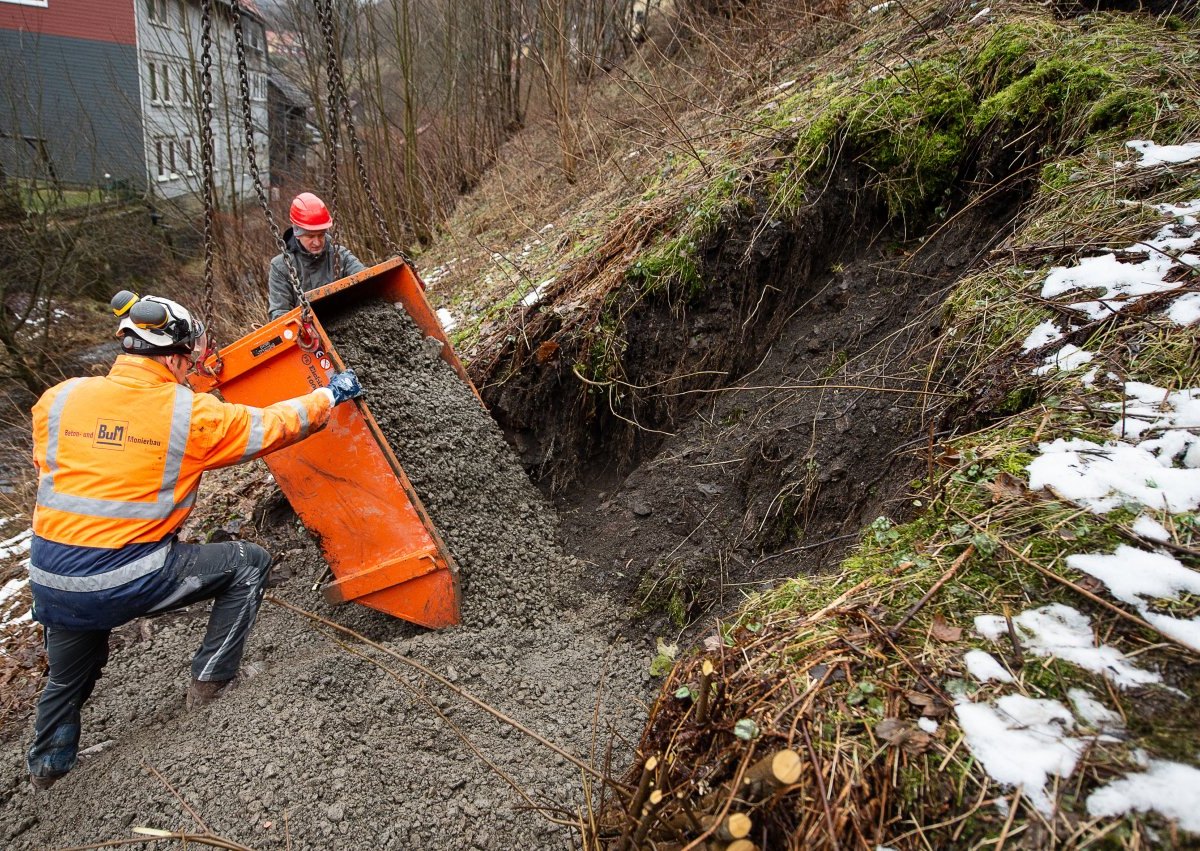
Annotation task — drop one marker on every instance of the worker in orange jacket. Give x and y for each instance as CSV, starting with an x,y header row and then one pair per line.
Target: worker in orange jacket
x,y
119,461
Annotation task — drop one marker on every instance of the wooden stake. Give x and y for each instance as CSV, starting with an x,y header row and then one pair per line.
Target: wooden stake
x,y
733,826
706,673
649,818
781,768
639,798
741,845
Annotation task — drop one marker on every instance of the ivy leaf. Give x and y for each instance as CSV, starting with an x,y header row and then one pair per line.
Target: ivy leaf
x,y
746,729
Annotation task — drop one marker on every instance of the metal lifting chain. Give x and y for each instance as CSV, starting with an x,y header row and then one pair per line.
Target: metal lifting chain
x,y
206,168
256,177
325,16
337,87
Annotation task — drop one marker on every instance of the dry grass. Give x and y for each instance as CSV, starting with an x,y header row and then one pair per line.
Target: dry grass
x,y
839,669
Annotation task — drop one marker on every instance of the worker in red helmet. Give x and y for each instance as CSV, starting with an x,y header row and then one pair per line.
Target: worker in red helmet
x,y
119,461
315,257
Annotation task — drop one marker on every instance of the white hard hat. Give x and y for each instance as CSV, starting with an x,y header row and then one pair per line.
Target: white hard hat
x,y
153,325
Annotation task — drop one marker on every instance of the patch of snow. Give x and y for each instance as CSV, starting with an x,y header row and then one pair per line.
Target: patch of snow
x,y
1103,477
11,587
1183,213
16,544
1148,527
535,297
447,319
1168,788
1045,333
1067,358
928,725
1185,310
784,86
1088,378
983,666
1066,633
1022,741
1094,713
880,7
1184,631
982,13
1135,576
1123,283
1153,154
546,228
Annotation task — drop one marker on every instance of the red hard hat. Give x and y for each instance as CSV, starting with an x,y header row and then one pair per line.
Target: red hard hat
x,y
310,213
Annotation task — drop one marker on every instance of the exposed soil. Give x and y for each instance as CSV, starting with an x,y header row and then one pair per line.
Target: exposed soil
x,y
322,749
777,475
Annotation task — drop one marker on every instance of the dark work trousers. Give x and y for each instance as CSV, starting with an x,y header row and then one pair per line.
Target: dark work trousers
x,y
232,574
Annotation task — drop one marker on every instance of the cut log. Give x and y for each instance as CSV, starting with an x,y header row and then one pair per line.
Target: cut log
x,y
649,817
706,675
635,804
733,826
741,845
781,768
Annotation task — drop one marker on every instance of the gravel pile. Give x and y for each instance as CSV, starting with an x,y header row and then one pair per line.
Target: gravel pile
x,y
321,749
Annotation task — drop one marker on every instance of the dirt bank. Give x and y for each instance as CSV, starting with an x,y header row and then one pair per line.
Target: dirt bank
x,y
321,749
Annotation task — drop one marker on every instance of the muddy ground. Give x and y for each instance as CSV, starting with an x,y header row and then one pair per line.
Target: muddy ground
x,y
776,475
322,749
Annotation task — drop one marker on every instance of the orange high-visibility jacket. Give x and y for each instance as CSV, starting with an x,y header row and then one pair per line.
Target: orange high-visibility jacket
x,y
119,458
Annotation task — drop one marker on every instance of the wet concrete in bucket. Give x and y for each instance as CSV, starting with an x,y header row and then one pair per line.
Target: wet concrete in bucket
x,y
320,748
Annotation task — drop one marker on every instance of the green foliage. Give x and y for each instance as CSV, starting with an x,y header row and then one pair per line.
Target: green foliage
x,y
1055,87
1010,51
672,262
909,126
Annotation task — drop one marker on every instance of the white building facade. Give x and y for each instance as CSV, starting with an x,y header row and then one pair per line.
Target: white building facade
x,y
170,74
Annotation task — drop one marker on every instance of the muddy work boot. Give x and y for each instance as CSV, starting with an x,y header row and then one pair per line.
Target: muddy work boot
x,y
42,782
203,692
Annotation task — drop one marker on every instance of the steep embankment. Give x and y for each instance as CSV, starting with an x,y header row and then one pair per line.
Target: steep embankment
x,y
869,273
1059,371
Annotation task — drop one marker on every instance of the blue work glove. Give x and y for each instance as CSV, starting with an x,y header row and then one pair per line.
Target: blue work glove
x,y
345,386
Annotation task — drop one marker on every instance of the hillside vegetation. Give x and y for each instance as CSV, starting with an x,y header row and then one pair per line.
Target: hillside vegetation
x,y
857,345
1054,526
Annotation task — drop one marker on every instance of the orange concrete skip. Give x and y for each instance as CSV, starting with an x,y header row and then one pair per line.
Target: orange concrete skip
x,y
430,600
383,575
345,482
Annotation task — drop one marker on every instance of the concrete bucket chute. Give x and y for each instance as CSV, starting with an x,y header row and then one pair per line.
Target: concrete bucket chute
x,y
345,482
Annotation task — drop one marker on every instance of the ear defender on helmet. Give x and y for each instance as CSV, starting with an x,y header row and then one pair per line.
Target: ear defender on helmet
x,y
155,325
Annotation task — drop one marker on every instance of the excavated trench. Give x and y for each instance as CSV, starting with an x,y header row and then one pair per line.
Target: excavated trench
x,y
761,424
322,749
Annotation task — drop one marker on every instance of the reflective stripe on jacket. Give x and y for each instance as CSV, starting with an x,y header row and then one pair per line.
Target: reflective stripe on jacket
x,y
119,461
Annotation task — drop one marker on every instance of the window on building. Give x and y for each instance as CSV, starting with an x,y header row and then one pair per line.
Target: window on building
x,y
188,165
156,11
160,159
258,87
171,156
160,83
185,86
